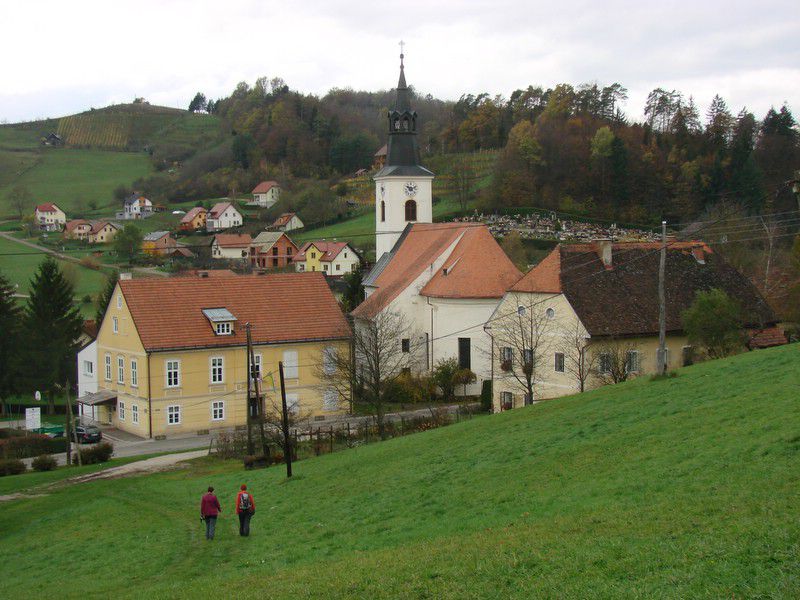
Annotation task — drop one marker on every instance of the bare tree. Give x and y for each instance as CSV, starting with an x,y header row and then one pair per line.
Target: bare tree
x,y
525,339
578,362
463,178
20,198
382,349
615,360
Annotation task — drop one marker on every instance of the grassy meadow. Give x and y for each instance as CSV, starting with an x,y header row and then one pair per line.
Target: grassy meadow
x,y
679,488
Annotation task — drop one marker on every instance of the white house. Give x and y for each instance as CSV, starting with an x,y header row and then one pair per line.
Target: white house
x,y
443,279
136,206
49,217
87,377
287,222
223,215
265,194
231,246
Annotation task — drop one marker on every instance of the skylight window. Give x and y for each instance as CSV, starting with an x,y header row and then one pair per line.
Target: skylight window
x,y
221,320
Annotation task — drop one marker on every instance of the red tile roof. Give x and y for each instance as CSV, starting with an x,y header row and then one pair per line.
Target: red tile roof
x,y
283,219
264,187
98,225
282,307
47,207
206,273
766,338
75,223
233,240
329,250
219,208
189,216
479,267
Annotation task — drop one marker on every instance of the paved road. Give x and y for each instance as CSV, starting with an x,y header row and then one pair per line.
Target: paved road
x,y
144,270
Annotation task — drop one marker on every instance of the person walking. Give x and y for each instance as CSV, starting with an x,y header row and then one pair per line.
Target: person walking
x,y
209,509
245,508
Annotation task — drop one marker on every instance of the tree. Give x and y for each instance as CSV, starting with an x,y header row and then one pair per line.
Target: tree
x,y
602,146
20,199
447,375
128,242
198,103
244,148
9,341
104,299
524,337
714,321
383,348
353,294
614,360
52,325
463,178
578,363
515,250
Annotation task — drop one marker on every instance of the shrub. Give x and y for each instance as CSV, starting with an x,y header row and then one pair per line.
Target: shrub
x,y
486,396
31,445
97,454
90,263
12,466
45,462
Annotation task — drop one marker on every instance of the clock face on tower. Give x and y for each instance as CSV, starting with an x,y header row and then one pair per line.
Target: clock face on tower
x,y
410,188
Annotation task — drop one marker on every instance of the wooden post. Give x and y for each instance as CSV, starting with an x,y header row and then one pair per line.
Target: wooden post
x,y
250,449
251,361
662,304
287,442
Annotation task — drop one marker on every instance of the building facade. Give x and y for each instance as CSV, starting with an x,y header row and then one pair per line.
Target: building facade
x,y
49,217
223,215
266,194
332,258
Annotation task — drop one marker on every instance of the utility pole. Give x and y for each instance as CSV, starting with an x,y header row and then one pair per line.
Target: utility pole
x,y
662,303
74,432
259,401
287,443
250,449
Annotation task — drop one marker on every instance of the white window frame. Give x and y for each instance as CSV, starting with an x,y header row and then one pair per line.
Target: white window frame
x,y
329,360
121,370
218,410
258,365
120,410
555,362
506,353
119,300
108,367
330,400
216,369
223,328
550,313
134,373
506,398
115,324
634,366
88,368
291,367
134,414
176,370
174,414
293,403
604,357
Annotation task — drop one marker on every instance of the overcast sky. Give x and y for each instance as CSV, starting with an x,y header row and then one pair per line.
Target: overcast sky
x,y
59,57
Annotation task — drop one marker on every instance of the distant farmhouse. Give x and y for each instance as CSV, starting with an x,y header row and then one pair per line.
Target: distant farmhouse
x,y
94,232
265,194
49,217
332,258
136,206
223,215
194,220
271,250
287,222
53,139
161,243
231,246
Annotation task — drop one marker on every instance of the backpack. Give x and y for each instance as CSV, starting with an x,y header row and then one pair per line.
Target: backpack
x,y
244,502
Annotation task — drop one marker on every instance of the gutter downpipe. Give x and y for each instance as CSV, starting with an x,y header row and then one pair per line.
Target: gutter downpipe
x,y
428,300
149,400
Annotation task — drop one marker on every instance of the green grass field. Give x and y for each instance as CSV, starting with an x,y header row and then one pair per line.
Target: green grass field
x,y
680,488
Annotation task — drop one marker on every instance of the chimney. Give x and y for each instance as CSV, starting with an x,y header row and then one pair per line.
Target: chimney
x,y
125,276
603,246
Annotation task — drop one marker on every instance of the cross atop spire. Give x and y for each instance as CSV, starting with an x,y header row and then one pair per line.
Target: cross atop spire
x,y
402,46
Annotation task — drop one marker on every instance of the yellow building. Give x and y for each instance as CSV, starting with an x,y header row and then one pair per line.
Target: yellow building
x,y
172,352
588,314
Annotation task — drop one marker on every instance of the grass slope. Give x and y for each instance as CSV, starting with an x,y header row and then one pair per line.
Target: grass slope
x,y
679,488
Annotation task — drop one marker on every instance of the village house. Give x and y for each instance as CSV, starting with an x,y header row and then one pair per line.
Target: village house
x,y
231,246
136,206
172,351
271,250
287,222
223,215
587,314
441,280
379,158
94,232
158,243
265,194
48,217
332,258
194,220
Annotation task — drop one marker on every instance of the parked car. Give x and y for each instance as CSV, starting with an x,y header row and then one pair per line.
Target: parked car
x,y
88,434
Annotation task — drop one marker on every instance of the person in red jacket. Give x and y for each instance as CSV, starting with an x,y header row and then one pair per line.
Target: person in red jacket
x,y
245,508
209,509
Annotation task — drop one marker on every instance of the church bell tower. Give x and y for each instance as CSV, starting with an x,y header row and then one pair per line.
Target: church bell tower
x,y
403,187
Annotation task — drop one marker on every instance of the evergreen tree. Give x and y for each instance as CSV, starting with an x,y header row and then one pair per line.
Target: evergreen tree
x,y
719,125
105,297
52,325
9,341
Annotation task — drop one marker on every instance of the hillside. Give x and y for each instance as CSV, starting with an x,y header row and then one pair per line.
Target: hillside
x,y
683,487
104,148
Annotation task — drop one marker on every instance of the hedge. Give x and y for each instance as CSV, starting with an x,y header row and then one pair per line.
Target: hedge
x,y
31,445
12,466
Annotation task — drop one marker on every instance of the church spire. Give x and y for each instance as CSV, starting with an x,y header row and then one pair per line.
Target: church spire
x,y
402,102
403,149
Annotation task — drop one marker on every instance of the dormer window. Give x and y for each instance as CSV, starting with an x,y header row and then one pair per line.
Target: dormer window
x,y
221,320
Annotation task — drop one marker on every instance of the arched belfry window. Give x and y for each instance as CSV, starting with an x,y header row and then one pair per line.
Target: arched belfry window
x,y
411,210
383,211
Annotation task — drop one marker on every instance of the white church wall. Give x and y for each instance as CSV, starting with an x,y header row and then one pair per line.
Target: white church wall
x,y
391,190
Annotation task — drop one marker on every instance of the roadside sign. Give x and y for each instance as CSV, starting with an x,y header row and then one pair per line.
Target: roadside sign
x,y
33,418
37,396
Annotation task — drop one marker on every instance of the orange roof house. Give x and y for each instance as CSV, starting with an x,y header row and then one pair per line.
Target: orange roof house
x,y
231,246
194,219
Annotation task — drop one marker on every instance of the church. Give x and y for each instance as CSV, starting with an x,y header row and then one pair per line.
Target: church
x,y
443,279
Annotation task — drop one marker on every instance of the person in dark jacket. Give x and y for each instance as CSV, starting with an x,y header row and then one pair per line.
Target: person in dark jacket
x,y
245,508
209,509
